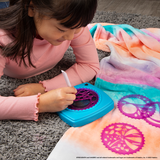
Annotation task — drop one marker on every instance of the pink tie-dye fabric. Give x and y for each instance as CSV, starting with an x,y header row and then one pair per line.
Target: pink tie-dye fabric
x,y
131,77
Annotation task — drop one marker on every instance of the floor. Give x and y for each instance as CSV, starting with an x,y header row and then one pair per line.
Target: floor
x,y
143,7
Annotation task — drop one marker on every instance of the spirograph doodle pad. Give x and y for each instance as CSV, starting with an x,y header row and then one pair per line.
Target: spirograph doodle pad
x,y
90,104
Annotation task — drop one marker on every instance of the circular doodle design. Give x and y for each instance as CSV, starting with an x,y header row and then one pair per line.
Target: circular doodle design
x,y
85,99
155,119
144,109
122,138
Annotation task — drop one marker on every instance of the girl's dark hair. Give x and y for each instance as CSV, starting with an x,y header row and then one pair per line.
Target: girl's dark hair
x,y
15,20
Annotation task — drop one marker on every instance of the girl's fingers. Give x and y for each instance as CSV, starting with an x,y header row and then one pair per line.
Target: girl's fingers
x,y
18,92
19,87
70,97
70,90
69,103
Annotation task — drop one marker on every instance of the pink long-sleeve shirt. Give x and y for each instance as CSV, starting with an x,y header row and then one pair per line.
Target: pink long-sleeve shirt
x,y
45,56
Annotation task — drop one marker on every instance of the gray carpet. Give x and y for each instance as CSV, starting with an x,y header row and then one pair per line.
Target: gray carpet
x,y
29,140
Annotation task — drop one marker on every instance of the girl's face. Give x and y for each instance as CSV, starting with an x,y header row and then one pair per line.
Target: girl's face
x,y
51,30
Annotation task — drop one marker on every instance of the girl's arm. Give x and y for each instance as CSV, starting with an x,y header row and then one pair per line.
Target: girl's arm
x,y
86,66
28,107
23,108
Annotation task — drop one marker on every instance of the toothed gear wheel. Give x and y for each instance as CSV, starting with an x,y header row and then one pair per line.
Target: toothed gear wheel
x,y
122,138
146,108
85,99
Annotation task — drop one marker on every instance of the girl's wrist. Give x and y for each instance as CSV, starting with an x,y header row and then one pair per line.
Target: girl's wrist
x,y
42,83
42,88
40,104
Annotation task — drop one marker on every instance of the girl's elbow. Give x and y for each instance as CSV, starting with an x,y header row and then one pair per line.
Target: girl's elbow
x,y
95,70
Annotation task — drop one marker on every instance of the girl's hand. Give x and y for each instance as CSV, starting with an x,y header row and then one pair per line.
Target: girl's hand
x,y
56,100
29,89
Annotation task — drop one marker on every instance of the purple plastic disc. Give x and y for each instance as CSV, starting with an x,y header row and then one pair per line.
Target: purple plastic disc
x,y
122,138
85,99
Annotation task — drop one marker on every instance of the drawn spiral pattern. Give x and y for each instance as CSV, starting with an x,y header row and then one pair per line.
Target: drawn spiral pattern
x,y
122,138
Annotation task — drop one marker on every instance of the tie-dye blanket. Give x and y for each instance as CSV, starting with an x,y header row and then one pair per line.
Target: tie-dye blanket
x,y
131,77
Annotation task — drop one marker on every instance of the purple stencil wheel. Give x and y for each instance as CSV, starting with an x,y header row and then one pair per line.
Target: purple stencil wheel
x,y
122,138
143,110
85,99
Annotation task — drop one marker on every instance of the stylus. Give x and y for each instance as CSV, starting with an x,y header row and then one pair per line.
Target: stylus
x,y
66,78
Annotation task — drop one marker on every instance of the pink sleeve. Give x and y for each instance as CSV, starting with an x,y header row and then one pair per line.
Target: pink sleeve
x,y
86,66
21,108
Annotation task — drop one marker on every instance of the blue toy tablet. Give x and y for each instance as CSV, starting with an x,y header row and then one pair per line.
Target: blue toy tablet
x,y
90,104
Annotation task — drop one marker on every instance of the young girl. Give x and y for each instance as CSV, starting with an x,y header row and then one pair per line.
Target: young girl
x,y
34,36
